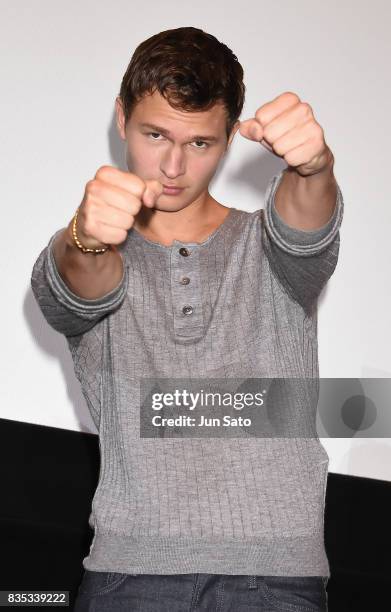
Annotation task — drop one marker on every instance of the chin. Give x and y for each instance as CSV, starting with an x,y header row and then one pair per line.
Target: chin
x,y
168,208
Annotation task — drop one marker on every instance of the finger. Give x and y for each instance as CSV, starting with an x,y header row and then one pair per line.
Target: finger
x,y
251,129
116,197
152,192
288,120
113,216
294,138
108,234
269,111
124,180
302,154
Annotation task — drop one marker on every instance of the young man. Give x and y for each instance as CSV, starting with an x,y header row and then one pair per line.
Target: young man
x,y
155,278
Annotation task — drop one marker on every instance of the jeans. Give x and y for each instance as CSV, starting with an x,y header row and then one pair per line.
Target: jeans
x,y
112,592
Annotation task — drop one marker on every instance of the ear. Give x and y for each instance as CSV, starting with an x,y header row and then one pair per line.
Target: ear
x,y
232,134
120,118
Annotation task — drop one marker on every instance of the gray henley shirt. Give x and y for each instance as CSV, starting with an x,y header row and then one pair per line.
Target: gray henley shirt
x,y
173,506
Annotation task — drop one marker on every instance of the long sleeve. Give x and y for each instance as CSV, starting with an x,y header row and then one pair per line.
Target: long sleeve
x,y
302,260
66,312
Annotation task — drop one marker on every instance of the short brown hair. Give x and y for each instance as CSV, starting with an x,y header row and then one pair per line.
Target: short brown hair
x,y
191,69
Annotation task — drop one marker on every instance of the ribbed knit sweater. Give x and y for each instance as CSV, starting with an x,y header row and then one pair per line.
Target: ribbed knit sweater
x,y
222,506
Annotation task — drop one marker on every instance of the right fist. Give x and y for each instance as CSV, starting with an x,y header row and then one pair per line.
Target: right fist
x,y
110,203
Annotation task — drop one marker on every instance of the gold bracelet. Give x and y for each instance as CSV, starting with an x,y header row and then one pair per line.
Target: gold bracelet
x,y
78,243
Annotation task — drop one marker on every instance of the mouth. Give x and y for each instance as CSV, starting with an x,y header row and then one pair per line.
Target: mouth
x,y
171,190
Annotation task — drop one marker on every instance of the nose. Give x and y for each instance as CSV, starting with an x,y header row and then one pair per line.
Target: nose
x,y
173,162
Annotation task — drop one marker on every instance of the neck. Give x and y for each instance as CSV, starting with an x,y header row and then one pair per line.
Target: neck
x,y
194,222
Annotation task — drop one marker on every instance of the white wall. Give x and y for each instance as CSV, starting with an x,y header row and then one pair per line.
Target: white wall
x,y
61,68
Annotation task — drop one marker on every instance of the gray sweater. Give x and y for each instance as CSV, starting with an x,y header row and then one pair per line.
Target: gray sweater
x,y
226,506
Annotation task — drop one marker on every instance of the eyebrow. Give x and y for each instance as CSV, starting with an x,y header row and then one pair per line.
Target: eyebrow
x,y
162,130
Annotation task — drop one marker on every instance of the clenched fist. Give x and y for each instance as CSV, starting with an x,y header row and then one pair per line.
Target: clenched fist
x,y
286,126
110,203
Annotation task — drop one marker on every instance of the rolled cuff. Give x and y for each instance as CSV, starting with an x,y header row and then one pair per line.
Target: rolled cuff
x,y
296,241
87,308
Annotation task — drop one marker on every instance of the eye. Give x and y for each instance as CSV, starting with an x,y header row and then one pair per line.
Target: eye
x,y
202,142
206,145
154,134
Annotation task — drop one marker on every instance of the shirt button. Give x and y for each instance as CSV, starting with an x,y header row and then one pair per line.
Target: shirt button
x,y
185,280
187,310
183,251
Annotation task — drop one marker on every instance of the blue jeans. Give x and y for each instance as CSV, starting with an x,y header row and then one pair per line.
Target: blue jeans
x,y
112,592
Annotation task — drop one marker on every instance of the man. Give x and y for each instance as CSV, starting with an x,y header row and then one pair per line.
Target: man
x,y
155,279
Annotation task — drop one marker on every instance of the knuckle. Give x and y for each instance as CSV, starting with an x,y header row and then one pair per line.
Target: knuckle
x,y
89,207
292,96
306,108
136,203
103,172
88,218
130,222
316,129
91,186
278,149
124,235
138,185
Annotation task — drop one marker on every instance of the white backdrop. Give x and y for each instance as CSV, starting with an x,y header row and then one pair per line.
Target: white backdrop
x,y
61,68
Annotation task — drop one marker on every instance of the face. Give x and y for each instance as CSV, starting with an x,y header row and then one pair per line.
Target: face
x,y
177,148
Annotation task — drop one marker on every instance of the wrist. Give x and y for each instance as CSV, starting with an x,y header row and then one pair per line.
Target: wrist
x,y
84,243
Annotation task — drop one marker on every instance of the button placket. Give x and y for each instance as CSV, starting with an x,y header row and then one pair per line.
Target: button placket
x,y
186,291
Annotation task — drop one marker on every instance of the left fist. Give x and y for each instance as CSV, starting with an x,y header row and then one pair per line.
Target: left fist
x,y
287,127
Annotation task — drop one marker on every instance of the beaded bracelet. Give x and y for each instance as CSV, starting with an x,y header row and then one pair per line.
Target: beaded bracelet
x,y
78,243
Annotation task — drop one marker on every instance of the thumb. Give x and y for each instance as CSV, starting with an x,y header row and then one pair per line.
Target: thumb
x,y
152,191
251,129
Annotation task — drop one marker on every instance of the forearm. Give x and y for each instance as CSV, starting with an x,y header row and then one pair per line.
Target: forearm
x,y
87,275
307,202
